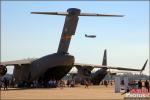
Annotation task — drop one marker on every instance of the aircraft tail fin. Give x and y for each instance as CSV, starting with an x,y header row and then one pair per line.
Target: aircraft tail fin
x,y
68,30
104,63
70,25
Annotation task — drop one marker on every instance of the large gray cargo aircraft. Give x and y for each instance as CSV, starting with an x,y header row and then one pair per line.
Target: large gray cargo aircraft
x,y
57,65
85,70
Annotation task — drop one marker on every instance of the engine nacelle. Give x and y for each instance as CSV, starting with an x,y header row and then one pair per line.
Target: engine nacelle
x,y
3,70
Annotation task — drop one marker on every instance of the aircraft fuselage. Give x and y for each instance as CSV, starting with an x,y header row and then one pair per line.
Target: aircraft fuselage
x,y
52,66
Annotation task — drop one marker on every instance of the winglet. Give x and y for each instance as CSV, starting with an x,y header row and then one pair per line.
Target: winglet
x,y
144,65
104,63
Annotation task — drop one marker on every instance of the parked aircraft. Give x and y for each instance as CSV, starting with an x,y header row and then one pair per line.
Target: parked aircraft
x,y
90,36
85,70
57,65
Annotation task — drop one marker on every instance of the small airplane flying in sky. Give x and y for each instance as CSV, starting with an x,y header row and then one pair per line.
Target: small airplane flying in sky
x,y
90,36
56,65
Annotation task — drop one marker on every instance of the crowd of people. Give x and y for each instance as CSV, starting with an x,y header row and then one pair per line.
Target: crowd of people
x,y
146,85
52,83
106,82
137,85
5,83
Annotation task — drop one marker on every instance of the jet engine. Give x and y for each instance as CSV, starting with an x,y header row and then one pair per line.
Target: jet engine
x,y
3,70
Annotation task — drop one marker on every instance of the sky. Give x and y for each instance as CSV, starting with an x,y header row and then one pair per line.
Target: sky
x,y
26,35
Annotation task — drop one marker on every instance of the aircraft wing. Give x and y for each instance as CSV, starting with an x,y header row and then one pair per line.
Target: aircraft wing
x,y
17,62
91,66
118,68
88,66
3,65
129,69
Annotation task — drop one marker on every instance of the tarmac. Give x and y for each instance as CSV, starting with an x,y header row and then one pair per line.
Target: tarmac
x,y
79,92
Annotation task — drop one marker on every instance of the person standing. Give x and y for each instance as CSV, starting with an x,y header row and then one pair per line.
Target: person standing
x,y
61,84
72,83
146,85
0,84
105,83
68,83
5,83
139,84
86,84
